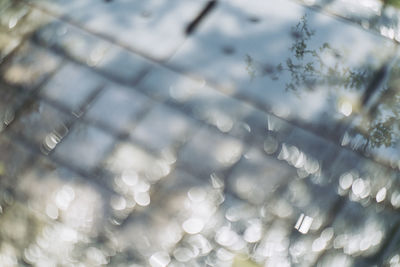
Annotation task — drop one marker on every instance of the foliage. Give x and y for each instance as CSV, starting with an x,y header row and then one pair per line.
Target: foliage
x,y
308,67
325,66
395,3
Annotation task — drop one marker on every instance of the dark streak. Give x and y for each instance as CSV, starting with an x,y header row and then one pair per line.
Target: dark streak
x,y
193,25
374,84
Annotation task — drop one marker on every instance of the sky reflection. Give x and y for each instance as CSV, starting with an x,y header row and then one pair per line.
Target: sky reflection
x,y
265,136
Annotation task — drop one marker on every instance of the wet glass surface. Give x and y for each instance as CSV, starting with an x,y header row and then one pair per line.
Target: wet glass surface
x,y
194,133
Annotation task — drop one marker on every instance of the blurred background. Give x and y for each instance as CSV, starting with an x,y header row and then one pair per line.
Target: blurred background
x,y
199,133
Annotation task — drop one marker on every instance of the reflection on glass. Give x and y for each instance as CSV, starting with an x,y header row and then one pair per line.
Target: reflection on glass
x,y
369,97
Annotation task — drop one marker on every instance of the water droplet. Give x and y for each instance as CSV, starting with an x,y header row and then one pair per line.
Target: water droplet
x,y
377,238
96,256
142,198
395,259
183,254
311,165
52,211
299,162
365,244
345,181
225,255
381,195
201,243
346,139
281,111
226,237
9,116
223,123
50,141
303,224
270,145
118,203
142,186
284,153
253,233
217,182
346,108
68,234
395,199
130,178
318,245
229,153
12,22
193,226
358,187
64,197
159,259
197,194
96,55
327,234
